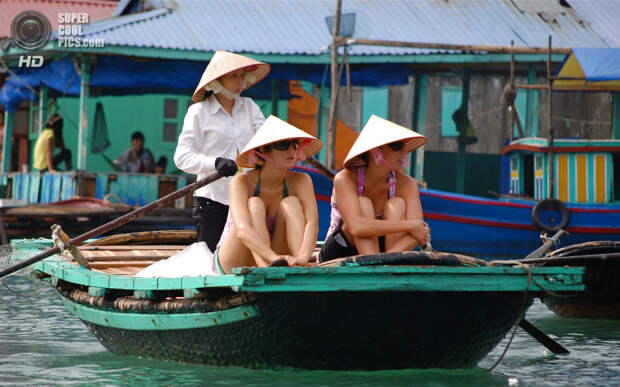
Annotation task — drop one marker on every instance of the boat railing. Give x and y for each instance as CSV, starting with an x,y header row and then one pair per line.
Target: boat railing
x,y
135,189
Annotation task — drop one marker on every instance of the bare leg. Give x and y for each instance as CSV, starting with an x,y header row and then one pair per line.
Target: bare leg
x,y
396,209
290,224
368,245
234,253
258,215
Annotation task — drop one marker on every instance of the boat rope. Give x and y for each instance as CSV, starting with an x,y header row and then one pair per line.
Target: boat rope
x,y
522,315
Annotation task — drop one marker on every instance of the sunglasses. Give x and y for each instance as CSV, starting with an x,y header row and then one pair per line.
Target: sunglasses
x,y
396,145
281,145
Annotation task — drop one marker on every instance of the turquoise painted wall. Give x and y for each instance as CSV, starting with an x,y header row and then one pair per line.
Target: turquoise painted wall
x,y
127,114
375,101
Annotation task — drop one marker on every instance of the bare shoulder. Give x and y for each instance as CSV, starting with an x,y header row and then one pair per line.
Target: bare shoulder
x,y
240,180
301,179
406,181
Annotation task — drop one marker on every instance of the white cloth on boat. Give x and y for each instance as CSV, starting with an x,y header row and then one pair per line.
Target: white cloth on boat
x,y
194,260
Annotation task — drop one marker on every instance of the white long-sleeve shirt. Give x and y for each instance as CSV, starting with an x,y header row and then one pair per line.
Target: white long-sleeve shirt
x,y
210,132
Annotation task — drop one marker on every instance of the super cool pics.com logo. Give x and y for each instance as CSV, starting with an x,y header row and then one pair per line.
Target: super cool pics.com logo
x,y
31,30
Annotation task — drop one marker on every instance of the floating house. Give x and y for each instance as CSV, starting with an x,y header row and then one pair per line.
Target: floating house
x,y
153,52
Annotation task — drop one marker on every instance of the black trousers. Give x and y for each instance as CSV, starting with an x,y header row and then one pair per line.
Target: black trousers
x,y
63,155
209,218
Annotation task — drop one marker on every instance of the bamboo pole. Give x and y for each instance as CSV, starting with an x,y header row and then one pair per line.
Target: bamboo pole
x,y
531,87
459,47
331,130
549,120
512,86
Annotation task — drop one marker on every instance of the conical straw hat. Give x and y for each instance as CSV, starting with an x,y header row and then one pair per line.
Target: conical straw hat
x,y
379,131
274,130
224,62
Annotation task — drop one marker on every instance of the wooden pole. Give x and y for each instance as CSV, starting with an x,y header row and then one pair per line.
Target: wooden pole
x,y
42,108
6,143
512,86
275,96
331,130
458,47
85,72
461,156
550,121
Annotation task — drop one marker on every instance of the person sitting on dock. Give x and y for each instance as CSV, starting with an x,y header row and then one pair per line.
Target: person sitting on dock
x,y
375,206
137,158
273,217
50,138
216,128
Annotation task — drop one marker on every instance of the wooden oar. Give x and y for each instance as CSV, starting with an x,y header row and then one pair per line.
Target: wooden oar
x,y
539,252
542,338
527,326
111,225
321,168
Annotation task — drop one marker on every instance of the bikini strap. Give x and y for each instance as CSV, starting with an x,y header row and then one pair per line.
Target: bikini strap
x,y
392,184
257,189
285,192
284,186
361,176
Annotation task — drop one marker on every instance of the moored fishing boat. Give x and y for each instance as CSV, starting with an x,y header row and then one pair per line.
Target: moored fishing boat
x,y
386,311
601,298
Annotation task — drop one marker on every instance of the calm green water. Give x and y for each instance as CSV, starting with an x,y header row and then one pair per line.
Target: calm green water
x,y
41,343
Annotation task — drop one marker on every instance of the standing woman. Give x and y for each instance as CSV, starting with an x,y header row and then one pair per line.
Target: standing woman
x,y
375,206
273,213
50,138
215,130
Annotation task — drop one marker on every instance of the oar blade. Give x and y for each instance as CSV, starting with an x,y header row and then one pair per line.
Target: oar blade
x,y
542,338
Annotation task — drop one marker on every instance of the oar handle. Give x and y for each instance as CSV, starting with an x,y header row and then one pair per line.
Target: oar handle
x,y
111,225
321,168
539,252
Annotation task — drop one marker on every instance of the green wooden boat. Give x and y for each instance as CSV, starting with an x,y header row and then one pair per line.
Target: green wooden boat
x,y
601,298
385,311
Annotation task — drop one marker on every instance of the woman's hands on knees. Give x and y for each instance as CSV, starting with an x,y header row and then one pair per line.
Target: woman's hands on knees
x,y
420,231
295,261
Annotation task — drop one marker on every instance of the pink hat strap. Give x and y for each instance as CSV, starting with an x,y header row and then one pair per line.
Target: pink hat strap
x,y
275,163
377,156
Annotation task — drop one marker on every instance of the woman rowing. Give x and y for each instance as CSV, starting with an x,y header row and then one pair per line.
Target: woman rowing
x,y
273,217
375,206
215,129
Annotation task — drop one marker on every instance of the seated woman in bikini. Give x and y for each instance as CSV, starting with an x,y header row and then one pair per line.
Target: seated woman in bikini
x,y
375,206
273,216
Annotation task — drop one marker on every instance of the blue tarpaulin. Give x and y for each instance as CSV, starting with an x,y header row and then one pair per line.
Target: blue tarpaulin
x,y
117,75
598,68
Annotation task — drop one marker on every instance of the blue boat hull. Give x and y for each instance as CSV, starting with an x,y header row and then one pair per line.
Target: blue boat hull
x,y
490,228
504,228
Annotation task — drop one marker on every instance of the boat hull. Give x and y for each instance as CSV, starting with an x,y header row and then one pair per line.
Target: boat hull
x,y
335,331
504,228
490,228
601,299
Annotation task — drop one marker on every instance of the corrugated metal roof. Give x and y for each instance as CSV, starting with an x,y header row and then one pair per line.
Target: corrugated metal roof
x,y
96,10
298,27
601,16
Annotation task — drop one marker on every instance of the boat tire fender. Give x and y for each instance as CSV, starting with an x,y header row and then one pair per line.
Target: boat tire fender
x,y
550,204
